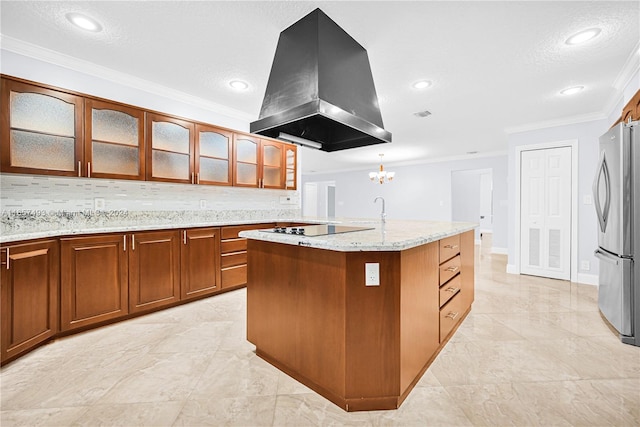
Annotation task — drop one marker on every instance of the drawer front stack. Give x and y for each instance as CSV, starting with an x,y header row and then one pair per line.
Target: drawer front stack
x,y
451,304
233,254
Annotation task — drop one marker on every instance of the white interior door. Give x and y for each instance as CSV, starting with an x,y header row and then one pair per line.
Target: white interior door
x,y
545,211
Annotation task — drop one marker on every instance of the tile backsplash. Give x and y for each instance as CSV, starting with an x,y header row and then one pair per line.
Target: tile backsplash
x,y
62,194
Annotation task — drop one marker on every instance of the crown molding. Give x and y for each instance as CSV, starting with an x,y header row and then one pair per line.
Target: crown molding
x,y
556,122
59,59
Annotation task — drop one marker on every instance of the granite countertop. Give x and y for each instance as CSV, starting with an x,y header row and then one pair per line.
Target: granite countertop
x,y
394,235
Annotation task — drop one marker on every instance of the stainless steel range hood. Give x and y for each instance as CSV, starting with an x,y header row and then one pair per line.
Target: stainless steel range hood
x,y
321,89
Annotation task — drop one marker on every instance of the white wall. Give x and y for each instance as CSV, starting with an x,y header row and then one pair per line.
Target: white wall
x,y
418,192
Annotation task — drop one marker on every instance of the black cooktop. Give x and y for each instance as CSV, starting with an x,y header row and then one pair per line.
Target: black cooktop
x,y
317,230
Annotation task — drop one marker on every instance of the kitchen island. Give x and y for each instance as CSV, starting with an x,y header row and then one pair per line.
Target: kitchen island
x,y
358,317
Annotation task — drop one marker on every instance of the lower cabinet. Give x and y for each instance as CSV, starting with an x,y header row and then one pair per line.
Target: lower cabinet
x,y
233,258
29,283
94,284
154,270
200,266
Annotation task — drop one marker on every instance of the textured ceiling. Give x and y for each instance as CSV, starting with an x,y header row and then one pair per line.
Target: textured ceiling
x,y
494,65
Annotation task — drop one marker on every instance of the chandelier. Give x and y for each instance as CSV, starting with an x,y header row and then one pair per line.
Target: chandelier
x,y
381,176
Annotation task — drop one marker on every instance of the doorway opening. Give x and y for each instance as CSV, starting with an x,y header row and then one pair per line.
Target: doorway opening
x,y
319,199
472,198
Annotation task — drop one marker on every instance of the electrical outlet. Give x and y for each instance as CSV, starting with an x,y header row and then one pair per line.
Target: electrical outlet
x,y
98,204
372,274
585,265
203,204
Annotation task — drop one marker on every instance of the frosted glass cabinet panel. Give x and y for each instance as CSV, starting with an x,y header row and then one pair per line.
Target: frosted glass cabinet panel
x,y
213,155
272,164
114,146
41,130
246,167
291,160
170,148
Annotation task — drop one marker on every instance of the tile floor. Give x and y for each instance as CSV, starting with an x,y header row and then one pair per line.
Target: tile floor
x,y
533,351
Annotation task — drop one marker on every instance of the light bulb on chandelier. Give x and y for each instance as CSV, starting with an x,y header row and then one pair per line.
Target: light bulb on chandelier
x,y
381,176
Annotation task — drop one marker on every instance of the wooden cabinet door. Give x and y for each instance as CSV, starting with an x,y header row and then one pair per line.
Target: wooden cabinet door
x,y
213,153
29,287
291,162
169,149
41,130
154,270
114,141
272,168
199,266
246,152
93,280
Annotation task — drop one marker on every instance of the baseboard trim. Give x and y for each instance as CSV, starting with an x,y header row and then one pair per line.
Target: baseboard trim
x,y
499,251
511,269
588,279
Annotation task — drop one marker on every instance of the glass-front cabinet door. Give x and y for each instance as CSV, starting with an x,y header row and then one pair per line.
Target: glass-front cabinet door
x,y
213,155
169,148
114,146
246,152
290,160
272,164
41,130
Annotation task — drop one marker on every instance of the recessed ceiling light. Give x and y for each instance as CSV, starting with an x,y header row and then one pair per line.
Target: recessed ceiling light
x,y
583,36
83,21
239,84
571,90
422,84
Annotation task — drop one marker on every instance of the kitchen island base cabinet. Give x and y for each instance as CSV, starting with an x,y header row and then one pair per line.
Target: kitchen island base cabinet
x,y
30,285
154,270
93,280
311,314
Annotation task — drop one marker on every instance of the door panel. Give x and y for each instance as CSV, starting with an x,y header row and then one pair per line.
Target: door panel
x,y
614,289
546,213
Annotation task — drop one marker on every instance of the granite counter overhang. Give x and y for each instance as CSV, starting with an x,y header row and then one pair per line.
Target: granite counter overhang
x,y
394,235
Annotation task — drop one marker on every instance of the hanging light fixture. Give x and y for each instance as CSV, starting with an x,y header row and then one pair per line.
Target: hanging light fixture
x,y
381,176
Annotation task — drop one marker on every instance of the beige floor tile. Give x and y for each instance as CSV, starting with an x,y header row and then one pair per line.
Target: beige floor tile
x,y
131,414
314,410
228,411
41,417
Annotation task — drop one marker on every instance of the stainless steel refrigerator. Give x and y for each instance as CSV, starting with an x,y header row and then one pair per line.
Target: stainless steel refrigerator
x,y
616,191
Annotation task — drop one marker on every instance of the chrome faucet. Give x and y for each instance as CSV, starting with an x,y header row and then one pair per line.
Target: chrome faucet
x,y
383,214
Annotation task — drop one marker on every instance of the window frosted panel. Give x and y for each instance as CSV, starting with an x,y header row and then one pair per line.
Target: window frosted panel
x,y
170,165
246,174
112,158
42,113
214,170
40,151
114,126
170,137
271,176
246,151
213,144
271,156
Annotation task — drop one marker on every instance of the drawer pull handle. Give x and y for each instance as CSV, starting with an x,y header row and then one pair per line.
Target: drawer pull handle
x,y
8,259
124,240
451,246
89,170
133,242
184,236
452,269
452,289
452,315
79,169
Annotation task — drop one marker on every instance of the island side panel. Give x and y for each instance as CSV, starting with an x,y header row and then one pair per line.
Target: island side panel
x,y
296,311
419,311
373,332
467,260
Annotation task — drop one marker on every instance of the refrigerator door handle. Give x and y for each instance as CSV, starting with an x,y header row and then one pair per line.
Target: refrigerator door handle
x,y
606,257
603,214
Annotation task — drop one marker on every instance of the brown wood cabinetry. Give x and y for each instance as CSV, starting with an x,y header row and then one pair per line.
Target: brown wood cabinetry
x,y
631,111
199,266
93,280
29,285
42,130
263,163
233,254
154,270
169,149
213,156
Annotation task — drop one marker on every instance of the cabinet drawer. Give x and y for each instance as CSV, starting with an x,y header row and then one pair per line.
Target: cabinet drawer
x,y
231,232
233,245
449,247
234,276
450,315
449,290
233,258
449,269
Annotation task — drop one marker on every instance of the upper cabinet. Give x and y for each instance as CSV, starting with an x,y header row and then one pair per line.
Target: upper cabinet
x,y
41,130
263,163
170,149
114,146
213,151
50,131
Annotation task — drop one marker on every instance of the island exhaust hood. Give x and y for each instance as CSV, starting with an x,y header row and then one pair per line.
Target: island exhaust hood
x,y
321,89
